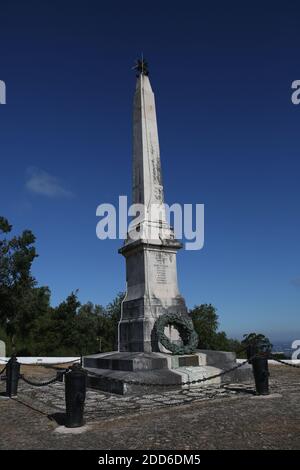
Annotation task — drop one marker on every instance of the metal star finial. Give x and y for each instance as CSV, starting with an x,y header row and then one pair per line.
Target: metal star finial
x,y
141,66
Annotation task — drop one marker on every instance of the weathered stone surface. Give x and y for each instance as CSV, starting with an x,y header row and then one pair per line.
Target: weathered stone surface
x,y
2,349
151,271
224,359
152,286
111,372
127,361
185,361
202,418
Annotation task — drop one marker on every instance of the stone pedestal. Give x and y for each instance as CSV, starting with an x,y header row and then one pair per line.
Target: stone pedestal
x,y
152,290
150,371
2,349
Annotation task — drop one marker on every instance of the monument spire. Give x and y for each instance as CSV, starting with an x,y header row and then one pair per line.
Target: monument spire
x,y
141,66
147,177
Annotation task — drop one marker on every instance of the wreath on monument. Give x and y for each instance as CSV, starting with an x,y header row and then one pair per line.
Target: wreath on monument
x,y
186,330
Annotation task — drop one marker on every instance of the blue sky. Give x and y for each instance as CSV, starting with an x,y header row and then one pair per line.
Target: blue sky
x,y
229,138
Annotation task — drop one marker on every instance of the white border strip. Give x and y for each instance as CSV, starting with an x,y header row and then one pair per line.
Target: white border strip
x,y
271,361
42,360
62,360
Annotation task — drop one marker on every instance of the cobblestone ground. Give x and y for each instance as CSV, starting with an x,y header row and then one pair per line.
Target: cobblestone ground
x,y
231,417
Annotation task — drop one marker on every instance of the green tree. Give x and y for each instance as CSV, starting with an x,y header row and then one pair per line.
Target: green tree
x,y
206,323
18,295
86,328
64,323
36,307
55,329
113,314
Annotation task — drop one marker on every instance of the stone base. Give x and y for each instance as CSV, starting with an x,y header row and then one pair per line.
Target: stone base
x,y
111,371
137,325
152,291
64,430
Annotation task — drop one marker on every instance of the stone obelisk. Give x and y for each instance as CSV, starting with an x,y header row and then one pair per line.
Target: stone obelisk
x,y
150,249
152,290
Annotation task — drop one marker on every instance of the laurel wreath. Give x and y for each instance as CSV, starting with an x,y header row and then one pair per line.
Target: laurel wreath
x,y
186,330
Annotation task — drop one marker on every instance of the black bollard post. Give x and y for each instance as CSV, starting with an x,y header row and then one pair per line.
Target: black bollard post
x,y
12,376
258,348
251,352
75,390
261,374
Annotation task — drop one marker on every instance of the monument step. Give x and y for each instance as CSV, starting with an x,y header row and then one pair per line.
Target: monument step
x,y
111,371
116,381
139,361
127,361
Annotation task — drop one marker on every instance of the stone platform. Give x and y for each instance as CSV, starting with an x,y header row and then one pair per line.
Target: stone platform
x,y
109,372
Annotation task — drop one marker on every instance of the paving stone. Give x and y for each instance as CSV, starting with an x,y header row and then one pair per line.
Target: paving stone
x,y
212,418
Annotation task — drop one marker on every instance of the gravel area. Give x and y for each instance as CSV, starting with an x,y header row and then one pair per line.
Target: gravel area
x,y
230,417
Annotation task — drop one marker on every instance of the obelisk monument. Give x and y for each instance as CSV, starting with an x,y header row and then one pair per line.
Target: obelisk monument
x,y
150,249
152,290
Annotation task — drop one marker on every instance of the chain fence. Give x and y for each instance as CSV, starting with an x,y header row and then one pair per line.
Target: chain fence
x,y
57,378
283,362
183,392
60,374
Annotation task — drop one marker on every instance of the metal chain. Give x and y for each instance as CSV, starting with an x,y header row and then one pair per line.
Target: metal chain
x,y
145,384
133,382
44,383
32,408
284,363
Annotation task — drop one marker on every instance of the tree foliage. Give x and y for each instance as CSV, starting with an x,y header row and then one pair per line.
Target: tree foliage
x,y
19,297
30,325
206,323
